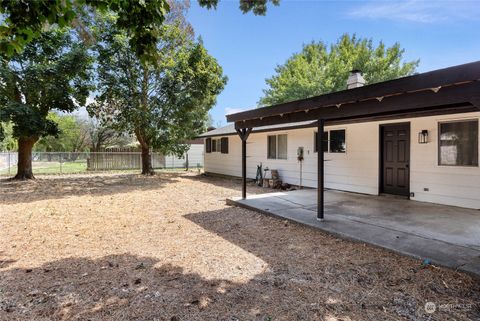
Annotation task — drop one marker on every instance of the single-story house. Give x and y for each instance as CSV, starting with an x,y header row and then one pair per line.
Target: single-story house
x,y
416,136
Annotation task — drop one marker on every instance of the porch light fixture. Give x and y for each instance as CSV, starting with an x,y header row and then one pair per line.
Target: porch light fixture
x,y
423,137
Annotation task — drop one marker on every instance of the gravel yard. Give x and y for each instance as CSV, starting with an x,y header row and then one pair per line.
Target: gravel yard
x,y
127,247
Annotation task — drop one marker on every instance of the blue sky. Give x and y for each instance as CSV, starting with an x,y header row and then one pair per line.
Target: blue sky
x,y
248,47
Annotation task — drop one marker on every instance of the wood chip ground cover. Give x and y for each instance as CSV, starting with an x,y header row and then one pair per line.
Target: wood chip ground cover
x,y
127,247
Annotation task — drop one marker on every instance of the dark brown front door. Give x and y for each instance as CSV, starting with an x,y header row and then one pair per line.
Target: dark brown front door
x,y
395,157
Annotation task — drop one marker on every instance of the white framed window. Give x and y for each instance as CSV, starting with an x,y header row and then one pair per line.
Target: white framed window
x,y
458,143
334,141
277,146
337,141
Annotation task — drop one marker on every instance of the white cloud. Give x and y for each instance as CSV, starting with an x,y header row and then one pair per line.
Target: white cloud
x,y
418,11
230,110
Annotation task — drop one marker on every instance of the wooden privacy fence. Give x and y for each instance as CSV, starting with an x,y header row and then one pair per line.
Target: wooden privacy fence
x,y
104,161
111,161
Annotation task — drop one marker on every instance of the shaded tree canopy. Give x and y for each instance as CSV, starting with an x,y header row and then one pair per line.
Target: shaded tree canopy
x,y
52,73
319,69
22,21
26,20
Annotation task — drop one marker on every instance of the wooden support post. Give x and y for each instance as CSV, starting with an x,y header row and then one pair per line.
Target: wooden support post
x,y
320,170
244,133
244,168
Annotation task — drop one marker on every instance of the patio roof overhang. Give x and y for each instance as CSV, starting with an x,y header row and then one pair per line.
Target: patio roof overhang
x,y
445,91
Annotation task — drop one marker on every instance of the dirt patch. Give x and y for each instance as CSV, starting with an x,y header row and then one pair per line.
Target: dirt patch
x,y
126,247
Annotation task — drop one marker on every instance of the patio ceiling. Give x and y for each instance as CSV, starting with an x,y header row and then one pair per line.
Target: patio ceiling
x,y
445,91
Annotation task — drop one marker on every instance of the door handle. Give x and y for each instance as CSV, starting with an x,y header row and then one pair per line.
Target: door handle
x,y
407,165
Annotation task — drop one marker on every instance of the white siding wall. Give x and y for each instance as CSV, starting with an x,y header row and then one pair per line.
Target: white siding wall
x,y
195,155
357,170
226,164
195,158
452,185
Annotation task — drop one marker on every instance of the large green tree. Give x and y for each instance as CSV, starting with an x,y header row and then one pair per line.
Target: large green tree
x,y
319,69
163,103
21,21
52,73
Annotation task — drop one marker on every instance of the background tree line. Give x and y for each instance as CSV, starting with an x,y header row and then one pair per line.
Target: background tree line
x,y
77,134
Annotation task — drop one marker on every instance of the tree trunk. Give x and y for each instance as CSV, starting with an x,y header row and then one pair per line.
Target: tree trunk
x,y
147,168
24,167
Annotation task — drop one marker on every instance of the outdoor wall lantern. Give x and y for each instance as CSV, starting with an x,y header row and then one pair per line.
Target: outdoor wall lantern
x,y
423,137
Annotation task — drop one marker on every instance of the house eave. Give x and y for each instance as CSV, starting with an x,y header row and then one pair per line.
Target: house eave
x,y
453,84
424,101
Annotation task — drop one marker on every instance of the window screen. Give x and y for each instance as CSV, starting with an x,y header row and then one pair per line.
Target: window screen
x,y
282,147
458,143
337,141
324,141
272,147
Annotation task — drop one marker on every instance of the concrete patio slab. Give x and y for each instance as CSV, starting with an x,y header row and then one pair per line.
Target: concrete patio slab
x,y
447,235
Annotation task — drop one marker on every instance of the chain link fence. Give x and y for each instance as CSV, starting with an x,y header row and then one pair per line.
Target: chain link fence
x,y
87,162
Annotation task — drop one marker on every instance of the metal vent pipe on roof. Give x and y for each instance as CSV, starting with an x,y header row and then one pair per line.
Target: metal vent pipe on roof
x,y
355,79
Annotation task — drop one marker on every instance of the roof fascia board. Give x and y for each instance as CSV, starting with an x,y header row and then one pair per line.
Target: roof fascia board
x,y
424,81
459,94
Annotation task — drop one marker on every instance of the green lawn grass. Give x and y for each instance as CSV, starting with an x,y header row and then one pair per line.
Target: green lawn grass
x,y
76,167
52,168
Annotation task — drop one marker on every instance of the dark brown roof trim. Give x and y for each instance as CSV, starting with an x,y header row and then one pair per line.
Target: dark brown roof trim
x,y
462,94
430,81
